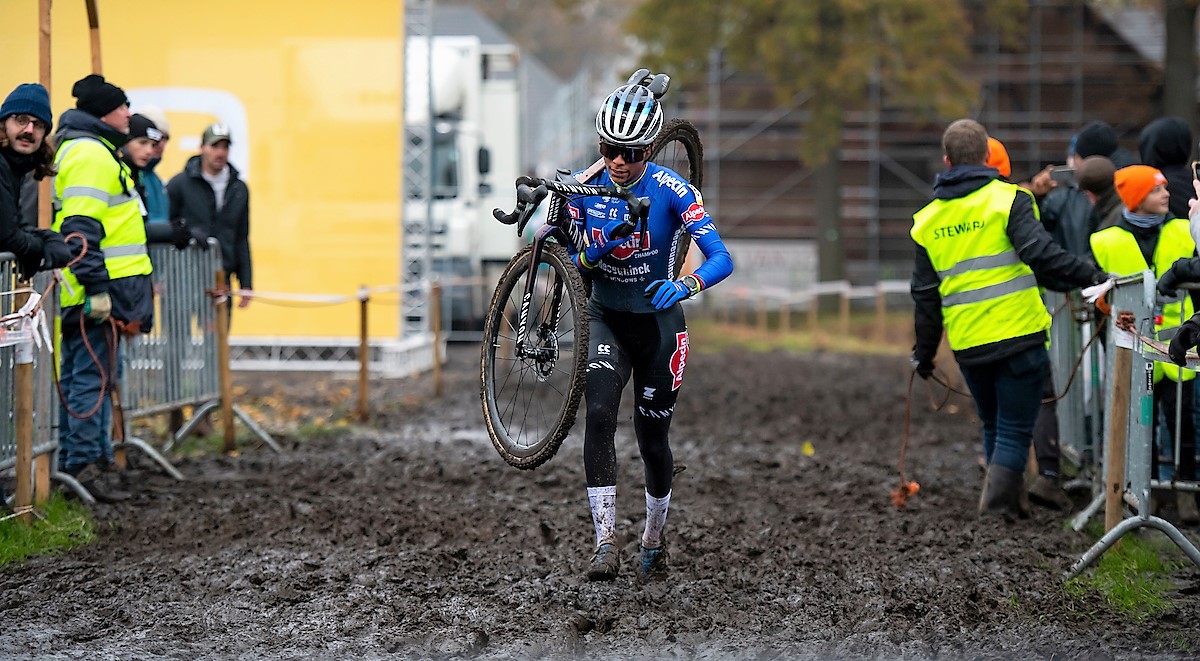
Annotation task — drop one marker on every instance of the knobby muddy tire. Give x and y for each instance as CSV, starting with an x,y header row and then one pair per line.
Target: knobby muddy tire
x,y
503,411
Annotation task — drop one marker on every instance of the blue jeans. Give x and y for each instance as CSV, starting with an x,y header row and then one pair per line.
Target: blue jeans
x,y
88,440
1008,395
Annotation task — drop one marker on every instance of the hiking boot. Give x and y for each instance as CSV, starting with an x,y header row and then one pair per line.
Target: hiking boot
x,y
605,563
1185,508
102,484
1004,493
651,562
1047,493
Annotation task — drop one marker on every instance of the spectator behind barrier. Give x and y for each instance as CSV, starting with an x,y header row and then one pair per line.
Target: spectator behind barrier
x,y
1094,176
1166,144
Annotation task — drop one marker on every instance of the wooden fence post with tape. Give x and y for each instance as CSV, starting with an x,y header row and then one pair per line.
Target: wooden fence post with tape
x,y
223,369
364,354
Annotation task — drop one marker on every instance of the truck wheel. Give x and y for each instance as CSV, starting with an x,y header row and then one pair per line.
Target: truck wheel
x,y
531,385
678,147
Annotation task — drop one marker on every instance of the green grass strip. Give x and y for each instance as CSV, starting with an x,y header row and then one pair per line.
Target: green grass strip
x,y
58,525
1133,577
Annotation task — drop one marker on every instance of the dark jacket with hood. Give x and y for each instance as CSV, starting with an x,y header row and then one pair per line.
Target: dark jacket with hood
x,y
192,199
27,243
1166,144
1054,268
132,296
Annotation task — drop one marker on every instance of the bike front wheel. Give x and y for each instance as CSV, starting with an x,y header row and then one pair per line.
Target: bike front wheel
x,y
532,381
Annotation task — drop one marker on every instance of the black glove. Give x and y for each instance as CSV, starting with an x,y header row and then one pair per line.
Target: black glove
x,y
1185,338
55,251
923,366
181,234
1185,269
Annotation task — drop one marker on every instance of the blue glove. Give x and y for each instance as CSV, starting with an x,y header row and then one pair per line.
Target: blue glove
x,y
665,293
605,244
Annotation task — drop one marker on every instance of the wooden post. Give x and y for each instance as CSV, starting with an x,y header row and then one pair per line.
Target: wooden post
x,y
364,354
1118,430
844,314
880,316
94,33
225,375
41,463
23,405
814,306
785,318
762,315
435,313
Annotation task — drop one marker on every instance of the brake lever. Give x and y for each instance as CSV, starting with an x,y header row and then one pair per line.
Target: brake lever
x,y
527,200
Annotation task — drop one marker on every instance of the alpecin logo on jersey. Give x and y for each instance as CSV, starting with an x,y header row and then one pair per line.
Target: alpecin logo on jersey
x,y
679,359
639,241
694,213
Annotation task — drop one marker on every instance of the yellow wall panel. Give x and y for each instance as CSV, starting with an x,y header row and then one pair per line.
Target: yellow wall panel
x,y
320,86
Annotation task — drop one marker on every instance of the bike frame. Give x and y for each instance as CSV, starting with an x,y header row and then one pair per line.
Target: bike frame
x,y
530,193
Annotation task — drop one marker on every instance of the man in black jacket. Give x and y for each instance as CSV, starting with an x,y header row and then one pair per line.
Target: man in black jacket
x,y
210,197
26,119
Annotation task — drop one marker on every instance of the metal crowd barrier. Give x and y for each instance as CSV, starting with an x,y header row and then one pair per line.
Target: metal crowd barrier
x,y
177,363
1079,410
45,401
1129,405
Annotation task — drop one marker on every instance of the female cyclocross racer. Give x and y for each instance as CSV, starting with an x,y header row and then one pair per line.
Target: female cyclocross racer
x,y
637,327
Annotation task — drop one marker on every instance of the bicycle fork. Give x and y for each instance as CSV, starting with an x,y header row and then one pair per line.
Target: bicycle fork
x,y
543,347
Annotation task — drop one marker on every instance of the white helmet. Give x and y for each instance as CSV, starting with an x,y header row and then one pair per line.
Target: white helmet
x,y
630,117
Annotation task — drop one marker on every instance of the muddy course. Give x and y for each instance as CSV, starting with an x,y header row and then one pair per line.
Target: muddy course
x,y
411,538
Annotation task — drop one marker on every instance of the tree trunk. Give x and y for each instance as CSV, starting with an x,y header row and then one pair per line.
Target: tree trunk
x,y
1179,63
831,262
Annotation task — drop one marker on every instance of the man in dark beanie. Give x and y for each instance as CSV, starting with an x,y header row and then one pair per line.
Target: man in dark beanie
x,y
1099,139
106,293
26,119
1166,144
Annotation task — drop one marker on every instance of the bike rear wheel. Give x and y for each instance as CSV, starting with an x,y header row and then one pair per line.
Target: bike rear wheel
x,y
531,385
678,147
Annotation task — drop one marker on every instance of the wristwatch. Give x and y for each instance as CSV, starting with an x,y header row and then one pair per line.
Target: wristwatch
x,y
692,283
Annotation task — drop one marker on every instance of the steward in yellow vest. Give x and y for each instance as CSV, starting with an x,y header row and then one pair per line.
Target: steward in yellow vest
x,y
980,255
95,196
1146,237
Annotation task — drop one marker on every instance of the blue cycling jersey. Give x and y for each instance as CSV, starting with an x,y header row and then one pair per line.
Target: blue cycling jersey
x,y
620,280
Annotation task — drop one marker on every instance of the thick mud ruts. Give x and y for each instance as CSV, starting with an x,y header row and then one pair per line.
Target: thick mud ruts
x,y
415,540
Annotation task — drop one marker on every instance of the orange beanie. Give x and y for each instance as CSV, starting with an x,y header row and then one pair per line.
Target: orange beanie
x,y
998,157
1135,182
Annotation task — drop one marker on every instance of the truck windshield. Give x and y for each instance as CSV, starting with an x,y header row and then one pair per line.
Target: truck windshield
x,y
445,166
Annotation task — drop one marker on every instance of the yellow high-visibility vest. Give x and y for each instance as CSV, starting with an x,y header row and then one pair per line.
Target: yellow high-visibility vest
x,y
92,182
1117,251
988,293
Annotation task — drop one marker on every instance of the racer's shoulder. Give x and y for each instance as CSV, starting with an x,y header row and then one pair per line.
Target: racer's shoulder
x,y
660,177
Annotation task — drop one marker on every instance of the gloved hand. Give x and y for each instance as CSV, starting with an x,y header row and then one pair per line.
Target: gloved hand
x,y
98,307
665,293
605,244
55,252
1185,338
181,233
1185,269
924,368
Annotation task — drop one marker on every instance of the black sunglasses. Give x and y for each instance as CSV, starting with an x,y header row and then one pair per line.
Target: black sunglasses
x,y
630,154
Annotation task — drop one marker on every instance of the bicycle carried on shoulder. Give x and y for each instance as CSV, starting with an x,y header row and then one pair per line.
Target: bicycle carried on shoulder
x,y
535,343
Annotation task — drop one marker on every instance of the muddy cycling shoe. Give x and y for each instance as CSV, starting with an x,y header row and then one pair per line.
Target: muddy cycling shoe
x,y
605,563
1047,493
652,563
104,485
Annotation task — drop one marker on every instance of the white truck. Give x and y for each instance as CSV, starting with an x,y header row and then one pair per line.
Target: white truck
x,y
476,131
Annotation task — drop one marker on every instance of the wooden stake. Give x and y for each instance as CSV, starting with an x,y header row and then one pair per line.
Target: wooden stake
x,y
1118,430
880,316
41,463
364,350
225,375
844,314
23,405
94,32
435,312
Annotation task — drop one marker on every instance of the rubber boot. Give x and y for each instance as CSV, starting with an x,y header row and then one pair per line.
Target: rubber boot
x,y
1185,507
1004,493
1048,493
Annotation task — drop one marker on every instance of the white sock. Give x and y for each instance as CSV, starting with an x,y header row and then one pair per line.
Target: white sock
x,y
604,513
656,519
